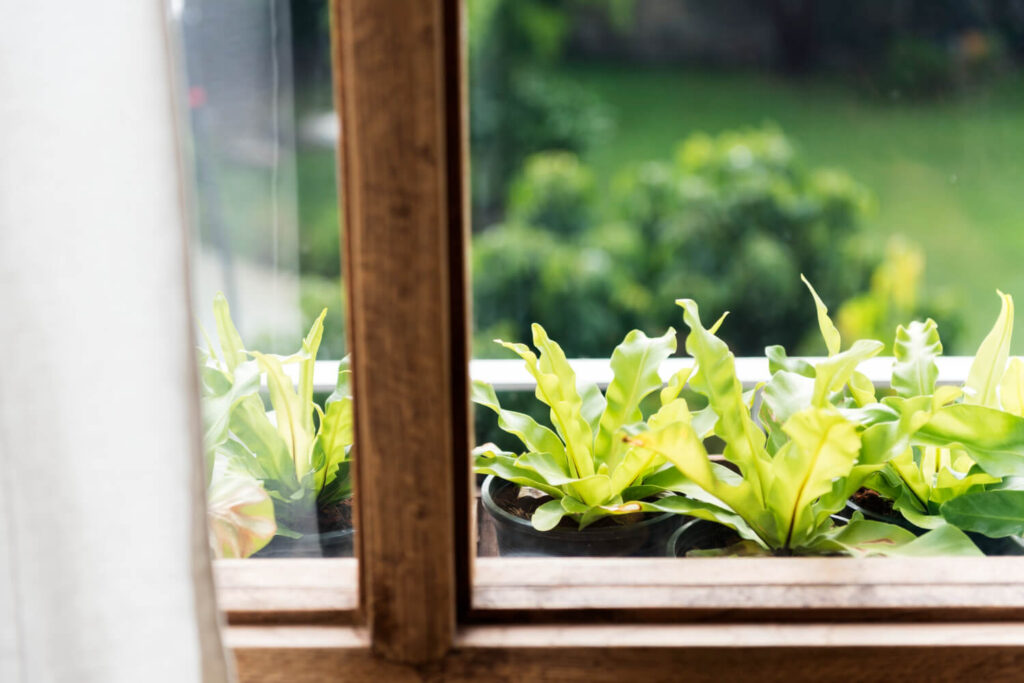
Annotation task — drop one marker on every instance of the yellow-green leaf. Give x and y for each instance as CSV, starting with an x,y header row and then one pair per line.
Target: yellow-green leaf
x,y
556,387
678,443
635,363
990,362
230,341
916,348
335,437
294,416
995,439
862,389
534,436
716,378
675,385
833,342
1011,388
823,447
832,374
310,346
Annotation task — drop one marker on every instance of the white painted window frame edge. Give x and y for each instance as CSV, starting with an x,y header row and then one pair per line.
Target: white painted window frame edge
x,y
511,375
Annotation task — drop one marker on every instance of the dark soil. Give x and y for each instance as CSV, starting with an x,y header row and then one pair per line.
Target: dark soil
x,y
873,502
337,517
523,507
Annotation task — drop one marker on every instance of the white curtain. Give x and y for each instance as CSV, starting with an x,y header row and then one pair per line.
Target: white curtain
x,y
104,573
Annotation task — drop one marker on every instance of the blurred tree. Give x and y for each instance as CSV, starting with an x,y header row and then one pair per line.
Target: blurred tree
x,y
732,222
518,106
554,190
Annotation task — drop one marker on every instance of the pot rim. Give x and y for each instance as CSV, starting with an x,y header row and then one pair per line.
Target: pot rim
x,y
670,549
897,519
673,540
337,533
502,515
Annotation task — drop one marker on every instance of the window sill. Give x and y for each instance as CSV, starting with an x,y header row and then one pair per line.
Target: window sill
x,y
734,590
288,591
711,590
595,654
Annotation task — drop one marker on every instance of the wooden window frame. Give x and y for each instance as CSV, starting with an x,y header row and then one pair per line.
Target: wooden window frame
x,y
404,611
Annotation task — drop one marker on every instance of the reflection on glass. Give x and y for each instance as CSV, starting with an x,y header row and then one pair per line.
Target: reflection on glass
x,y
626,154
261,139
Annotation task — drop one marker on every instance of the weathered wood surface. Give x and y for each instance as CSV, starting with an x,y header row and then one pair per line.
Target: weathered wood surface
x,y
635,590
288,590
589,590
398,81
938,652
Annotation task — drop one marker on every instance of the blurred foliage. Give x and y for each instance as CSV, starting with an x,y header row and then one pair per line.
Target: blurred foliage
x,y
525,273
732,221
553,190
519,107
317,293
319,215
917,68
916,41
894,298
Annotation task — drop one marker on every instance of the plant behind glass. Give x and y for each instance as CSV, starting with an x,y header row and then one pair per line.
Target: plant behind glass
x,y
299,453
800,465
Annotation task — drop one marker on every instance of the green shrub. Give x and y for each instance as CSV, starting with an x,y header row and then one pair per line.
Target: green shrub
x,y
521,272
519,107
554,190
733,220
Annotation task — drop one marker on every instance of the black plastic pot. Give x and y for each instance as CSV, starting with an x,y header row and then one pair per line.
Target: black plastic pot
x,y
518,538
327,544
699,534
1009,545
895,518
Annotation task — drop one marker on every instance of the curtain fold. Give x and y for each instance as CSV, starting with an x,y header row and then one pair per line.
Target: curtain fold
x,y
104,567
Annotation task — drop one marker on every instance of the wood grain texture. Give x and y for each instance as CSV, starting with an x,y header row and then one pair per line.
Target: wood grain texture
x,y
939,652
619,590
404,238
746,590
532,590
302,591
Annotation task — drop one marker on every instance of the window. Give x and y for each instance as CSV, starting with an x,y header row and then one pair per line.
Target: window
x,y
260,141
401,108
627,154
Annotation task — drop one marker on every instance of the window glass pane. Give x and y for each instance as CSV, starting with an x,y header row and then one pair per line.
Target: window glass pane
x,y
260,136
629,153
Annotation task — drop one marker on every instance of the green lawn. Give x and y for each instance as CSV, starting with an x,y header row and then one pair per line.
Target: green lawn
x,y
949,175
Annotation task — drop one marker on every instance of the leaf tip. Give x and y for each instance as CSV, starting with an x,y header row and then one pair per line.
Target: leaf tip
x,y
718,323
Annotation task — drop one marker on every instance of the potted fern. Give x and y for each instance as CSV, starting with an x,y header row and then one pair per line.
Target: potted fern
x,y
298,453
577,486
964,445
792,469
